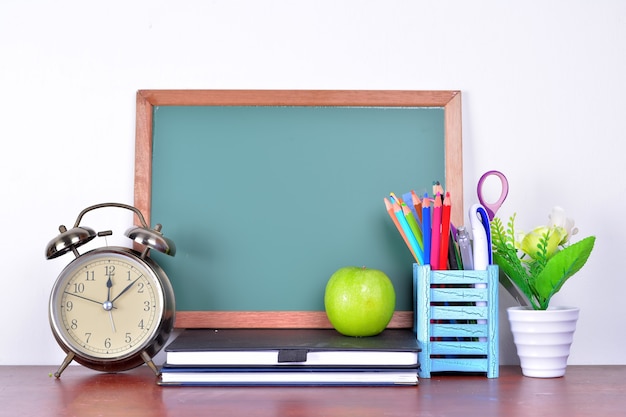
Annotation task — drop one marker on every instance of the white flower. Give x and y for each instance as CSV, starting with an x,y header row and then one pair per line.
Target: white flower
x,y
557,219
558,230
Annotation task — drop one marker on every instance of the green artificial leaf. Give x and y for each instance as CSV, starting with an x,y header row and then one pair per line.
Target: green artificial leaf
x,y
560,268
506,257
513,269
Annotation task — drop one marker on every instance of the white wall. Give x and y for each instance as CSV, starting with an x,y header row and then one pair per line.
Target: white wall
x,y
543,100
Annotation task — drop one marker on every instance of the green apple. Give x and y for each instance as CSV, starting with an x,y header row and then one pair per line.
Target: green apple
x,y
359,301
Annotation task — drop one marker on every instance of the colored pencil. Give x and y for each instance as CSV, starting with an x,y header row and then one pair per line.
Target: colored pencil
x,y
417,204
408,201
415,228
426,227
445,232
435,237
438,190
394,218
417,252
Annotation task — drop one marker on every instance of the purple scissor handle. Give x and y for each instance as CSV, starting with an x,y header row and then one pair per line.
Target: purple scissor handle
x,y
492,208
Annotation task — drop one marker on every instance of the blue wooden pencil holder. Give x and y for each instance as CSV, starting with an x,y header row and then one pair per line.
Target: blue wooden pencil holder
x,y
456,320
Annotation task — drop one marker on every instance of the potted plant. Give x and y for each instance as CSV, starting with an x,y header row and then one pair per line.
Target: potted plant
x,y
538,264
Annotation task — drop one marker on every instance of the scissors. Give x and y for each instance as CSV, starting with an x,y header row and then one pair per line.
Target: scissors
x,y
492,208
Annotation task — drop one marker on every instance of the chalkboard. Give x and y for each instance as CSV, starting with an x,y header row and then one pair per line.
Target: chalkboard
x,y
267,193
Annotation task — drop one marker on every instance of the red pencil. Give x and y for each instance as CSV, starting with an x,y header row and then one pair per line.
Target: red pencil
x,y
435,240
445,232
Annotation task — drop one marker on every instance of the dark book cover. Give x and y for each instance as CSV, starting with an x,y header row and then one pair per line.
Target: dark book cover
x,y
393,347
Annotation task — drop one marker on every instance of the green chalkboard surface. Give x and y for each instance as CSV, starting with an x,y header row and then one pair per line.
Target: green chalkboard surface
x,y
265,202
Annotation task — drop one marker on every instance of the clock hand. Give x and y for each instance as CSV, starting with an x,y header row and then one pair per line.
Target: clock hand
x,y
112,323
108,304
109,285
84,298
126,289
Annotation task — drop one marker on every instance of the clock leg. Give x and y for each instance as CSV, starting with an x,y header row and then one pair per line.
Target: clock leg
x,y
148,360
66,361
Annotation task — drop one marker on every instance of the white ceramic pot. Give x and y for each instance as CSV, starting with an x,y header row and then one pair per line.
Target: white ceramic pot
x,y
543,338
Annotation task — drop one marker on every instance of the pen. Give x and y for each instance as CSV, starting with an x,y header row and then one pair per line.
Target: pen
x,y
465,247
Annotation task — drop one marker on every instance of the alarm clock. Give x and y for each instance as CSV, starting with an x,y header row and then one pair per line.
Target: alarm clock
x,y
112,308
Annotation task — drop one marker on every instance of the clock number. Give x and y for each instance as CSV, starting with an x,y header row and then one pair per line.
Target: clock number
x,y
74,324
109,271
89,276
146,306
140,287
128,339
87,337
107,342
79,288
140,325
69,306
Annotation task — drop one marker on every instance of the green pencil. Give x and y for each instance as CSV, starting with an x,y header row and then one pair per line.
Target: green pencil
x,y
417,232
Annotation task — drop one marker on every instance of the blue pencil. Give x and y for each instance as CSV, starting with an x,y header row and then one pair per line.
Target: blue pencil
x,y
408,199
426,232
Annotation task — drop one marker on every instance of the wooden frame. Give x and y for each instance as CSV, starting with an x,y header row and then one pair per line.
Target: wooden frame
x,y
450,101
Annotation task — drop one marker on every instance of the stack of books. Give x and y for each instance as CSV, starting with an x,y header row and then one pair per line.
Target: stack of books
x,y
290,357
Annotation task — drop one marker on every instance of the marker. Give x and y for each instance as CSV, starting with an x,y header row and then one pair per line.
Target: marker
x,y
482,246
481,250
484,218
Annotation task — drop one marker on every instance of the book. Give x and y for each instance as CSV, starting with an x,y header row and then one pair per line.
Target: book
x,y
281,347
287,376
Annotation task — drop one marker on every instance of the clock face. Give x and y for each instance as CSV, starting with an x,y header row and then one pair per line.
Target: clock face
x,y
107,305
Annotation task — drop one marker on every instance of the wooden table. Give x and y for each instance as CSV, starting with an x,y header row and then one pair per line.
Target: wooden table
x,y
584,391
